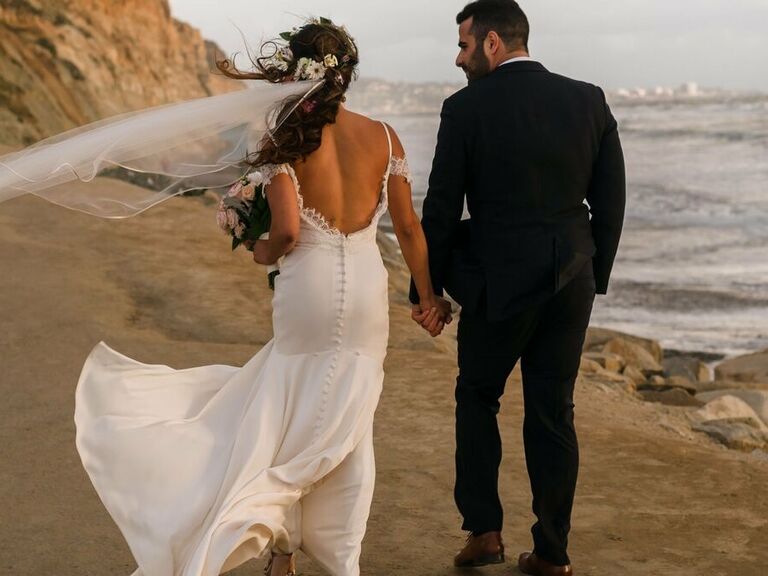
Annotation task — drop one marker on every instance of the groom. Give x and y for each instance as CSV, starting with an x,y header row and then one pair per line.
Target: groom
x,y
526,148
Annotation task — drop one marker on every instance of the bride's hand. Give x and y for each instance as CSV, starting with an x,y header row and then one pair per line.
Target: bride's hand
x,y
432,314
261,252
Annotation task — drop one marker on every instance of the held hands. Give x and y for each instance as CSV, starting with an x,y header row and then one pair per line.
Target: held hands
x,y
432,314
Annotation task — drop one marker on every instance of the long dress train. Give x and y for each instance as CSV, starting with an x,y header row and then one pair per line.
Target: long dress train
x,y
205,468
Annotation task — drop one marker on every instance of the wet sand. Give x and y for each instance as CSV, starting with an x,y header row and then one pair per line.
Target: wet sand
x,y
164,288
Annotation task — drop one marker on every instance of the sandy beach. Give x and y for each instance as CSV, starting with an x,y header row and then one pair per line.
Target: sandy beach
x,y
164,287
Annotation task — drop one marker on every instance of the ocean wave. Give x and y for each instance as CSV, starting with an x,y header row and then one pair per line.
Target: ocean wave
x,y
670,298
694,133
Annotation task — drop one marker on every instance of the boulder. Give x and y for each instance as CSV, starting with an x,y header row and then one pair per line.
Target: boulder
x,y
749,368
635,374
611,362
686,367
737,433
597,337
756,399
589,366
727,408
614,380
671,397
660,384
634,354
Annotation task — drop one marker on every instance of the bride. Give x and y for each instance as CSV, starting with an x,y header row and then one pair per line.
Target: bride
x,y
205,468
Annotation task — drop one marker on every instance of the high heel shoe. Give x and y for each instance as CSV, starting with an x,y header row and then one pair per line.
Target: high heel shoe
x,y
280,565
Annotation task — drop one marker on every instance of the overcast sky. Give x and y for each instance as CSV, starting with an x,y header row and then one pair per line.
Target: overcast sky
x,y
615,43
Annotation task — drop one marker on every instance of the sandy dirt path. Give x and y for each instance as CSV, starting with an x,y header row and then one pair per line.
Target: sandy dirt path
x,y
164,288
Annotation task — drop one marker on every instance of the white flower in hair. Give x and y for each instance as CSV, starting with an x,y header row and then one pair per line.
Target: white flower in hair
x,y
301,68
315,71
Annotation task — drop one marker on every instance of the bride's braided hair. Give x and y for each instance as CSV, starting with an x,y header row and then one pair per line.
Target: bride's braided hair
x,y
301,130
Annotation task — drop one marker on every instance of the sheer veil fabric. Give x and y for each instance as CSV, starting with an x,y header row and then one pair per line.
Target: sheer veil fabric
x,y
199,143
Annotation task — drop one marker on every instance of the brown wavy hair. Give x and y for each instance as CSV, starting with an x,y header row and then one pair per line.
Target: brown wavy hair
x,y
301,123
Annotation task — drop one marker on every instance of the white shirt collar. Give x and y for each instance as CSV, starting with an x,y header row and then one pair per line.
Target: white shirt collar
x,y
518,59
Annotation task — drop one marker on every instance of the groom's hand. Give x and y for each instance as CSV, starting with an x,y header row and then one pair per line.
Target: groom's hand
x,y
432,315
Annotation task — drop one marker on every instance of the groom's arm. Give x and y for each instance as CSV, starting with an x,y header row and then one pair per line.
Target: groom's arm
x,y
444,203
607,197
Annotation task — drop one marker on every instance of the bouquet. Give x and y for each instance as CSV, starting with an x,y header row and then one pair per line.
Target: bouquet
x,y
244,214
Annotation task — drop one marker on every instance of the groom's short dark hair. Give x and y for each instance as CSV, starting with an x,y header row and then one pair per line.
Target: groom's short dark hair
x,y
505,17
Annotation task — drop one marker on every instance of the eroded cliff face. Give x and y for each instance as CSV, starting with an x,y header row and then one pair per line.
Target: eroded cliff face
x,y
64,63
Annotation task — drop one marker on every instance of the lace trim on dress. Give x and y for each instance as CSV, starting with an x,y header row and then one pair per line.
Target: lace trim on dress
x,y
399,167
269,171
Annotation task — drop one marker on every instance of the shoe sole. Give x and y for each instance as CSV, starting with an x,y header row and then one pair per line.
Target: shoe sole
x,y
482,561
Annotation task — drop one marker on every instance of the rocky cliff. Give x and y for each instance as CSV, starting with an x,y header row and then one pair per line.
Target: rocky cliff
x,y
64,63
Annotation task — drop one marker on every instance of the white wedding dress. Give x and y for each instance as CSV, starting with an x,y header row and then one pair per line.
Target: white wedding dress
x,y
205,468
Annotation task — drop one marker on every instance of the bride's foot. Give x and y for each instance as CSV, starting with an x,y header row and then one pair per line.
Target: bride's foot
x,y
281,565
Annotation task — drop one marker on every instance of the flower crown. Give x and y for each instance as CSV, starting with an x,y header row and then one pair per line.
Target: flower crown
x,y
307,68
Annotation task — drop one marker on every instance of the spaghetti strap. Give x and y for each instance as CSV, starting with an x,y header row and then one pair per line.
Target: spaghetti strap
x,y
389,138
389,143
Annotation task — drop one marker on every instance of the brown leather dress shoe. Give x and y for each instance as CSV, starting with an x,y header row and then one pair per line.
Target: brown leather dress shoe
x,y
487,548
529,563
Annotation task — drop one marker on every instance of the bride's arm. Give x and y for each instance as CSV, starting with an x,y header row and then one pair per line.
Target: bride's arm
x,y
284,229
412,242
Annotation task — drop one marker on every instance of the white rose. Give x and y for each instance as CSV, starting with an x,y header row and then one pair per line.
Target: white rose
x,y
256,178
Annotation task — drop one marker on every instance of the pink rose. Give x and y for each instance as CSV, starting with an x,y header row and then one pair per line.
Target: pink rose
x,y
235,190
221,219
232,218
248,192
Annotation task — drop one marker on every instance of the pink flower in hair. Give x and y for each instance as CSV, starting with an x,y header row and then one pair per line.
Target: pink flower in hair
x,y
308,106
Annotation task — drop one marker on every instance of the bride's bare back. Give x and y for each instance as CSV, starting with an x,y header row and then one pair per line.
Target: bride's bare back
x,y
342,179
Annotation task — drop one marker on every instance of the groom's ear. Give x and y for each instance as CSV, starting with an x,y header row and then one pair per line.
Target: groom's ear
x,y
493,43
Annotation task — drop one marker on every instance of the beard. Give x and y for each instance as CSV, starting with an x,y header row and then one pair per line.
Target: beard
x,y
478,65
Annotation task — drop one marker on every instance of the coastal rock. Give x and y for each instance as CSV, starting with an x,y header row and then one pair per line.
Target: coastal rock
x,y
687,367
729,407
611,362
737,433
614,380
634,354
682,383
661,384
597,337
749,368
589,366
65,63
635,374
670,397
713,385
756,399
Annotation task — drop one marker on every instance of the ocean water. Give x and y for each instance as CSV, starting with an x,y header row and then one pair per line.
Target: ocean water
x,y
692,267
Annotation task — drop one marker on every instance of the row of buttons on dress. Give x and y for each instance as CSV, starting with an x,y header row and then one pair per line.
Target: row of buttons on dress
x,y
337,337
